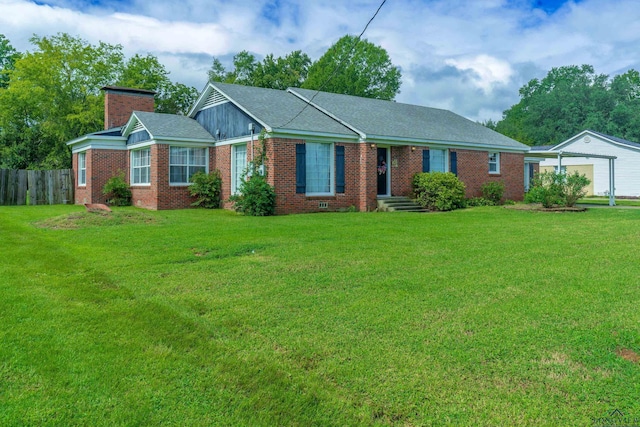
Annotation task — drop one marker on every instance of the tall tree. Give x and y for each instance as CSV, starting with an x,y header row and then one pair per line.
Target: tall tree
x,y
8,57
355,66
275,73
146,72
281,73
244,65
625,117
566,101
53,95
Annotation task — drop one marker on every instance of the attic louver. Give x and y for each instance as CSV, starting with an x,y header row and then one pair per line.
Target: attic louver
x,y
214,98
137,127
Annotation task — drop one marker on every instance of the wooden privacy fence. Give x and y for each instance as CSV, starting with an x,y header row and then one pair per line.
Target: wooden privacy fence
x,y
37,187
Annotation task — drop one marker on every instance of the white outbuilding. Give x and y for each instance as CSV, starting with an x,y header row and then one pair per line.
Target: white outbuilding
x,y
598,167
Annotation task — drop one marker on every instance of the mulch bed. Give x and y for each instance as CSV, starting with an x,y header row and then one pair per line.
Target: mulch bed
x,y
537,207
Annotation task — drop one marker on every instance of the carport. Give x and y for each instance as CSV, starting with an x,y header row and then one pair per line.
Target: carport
x,y
560,154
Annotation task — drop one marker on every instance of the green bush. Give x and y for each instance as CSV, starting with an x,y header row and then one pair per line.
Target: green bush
x,y
557,189
575,188
255,197
493,191
479,201
206,189
117,190
441,191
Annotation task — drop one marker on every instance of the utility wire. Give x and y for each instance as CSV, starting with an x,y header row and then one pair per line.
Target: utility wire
x,y
338,67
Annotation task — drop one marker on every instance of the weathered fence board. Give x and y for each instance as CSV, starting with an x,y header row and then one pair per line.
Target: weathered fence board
x,y
43,187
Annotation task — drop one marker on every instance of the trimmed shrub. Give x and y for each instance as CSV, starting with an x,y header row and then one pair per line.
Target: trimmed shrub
x,y
493,191
206,189
557,189
441,191
117,190
575,188
255,197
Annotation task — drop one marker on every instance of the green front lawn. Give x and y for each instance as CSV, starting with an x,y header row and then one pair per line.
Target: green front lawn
x,y
484,316
605,201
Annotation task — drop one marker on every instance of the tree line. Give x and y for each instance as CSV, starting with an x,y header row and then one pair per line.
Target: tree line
x,y
52,94
571,99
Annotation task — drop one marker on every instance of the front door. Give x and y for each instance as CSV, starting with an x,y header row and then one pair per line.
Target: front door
x,y
383,171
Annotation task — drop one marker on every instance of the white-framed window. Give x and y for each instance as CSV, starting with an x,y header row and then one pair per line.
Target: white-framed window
x,y
437,160
238,166
141,166
494,162
184,162
82,169
319,168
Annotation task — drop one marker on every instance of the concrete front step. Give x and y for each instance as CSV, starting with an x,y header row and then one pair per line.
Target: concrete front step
x,y
398,204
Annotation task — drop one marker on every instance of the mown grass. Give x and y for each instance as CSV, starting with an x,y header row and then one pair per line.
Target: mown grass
x,y
605,201
485,316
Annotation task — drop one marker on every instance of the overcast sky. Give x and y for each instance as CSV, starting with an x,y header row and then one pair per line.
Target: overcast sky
x,y
468,56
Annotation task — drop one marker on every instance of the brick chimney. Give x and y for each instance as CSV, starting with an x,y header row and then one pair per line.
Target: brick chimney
x,y
120,102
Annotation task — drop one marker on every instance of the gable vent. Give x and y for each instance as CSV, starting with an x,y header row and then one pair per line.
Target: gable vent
x,y
137,127
214,98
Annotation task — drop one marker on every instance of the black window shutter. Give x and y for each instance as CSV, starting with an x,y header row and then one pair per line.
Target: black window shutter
x,y
301,168
339,168
453,162
425,161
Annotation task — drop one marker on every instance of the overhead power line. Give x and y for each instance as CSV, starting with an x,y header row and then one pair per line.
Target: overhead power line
x,y
339,66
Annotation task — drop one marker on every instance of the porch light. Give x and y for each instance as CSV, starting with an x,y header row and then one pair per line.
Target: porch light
x,y
413,148
373,146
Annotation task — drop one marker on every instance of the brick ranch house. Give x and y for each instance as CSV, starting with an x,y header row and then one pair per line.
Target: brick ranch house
x,y
324,151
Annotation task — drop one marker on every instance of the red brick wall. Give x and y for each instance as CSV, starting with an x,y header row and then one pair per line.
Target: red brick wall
x,y
360,176
359,193
223,164
101,165
405,163
118,106
473,170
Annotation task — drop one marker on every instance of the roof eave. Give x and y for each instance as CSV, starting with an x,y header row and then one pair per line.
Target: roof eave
x,y
452,144
183,139
87,142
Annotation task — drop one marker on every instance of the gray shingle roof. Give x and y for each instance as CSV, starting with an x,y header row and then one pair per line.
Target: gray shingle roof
x,y
277,108
388,119
618,140
169,126
541,147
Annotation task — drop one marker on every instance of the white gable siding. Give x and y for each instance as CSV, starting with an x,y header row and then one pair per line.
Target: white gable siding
x,y
627,165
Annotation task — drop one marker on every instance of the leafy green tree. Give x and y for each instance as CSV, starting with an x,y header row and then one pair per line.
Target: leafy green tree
x,y
355,66
275,73
625,117
244,65
53,95
568,100
281,73
8,57
146,72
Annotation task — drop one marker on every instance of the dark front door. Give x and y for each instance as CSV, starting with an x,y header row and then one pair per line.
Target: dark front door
x,y
383,172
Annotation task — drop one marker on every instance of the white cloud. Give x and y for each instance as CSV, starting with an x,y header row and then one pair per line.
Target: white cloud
x,y
467,56
486,71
